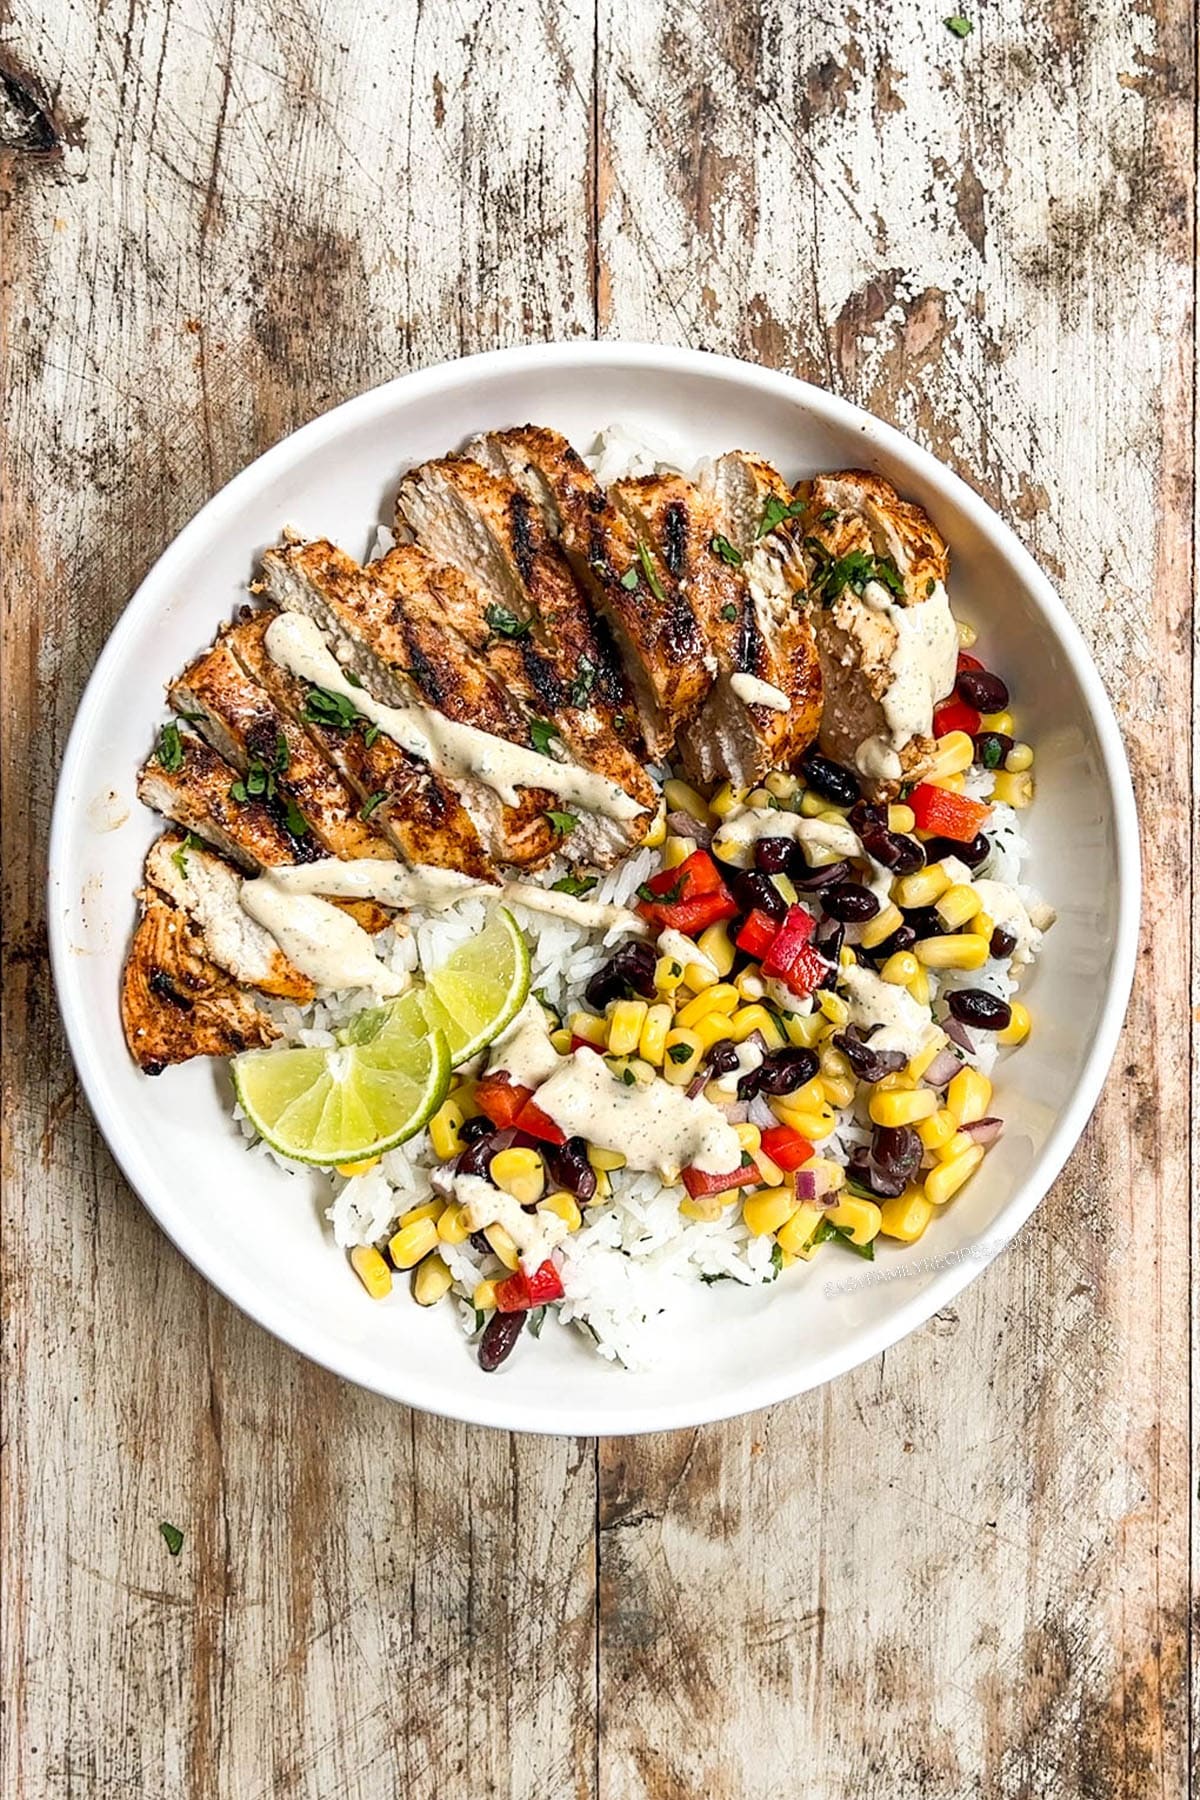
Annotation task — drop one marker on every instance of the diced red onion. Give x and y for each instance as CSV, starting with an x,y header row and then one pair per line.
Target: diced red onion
x,y
760,1114
814,1184
441,1180
943,1068
697,1085
984,1131
737,1113
683,825
957,1033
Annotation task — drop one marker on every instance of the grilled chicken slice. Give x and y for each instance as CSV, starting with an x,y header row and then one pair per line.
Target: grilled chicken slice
x,y
175,1002
887,640
273,754
389,622
421,815
198,792
656,631
208,890
748,586
522,609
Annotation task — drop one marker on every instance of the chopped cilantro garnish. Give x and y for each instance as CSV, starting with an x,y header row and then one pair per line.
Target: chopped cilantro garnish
x,y
646,892
958,25
370,734
179,857
776,1261
563,822
629,579
505,623
991,753
573,884
854,570
709,1280
323,708
729,613
652,581
584,682
542,735
170,748
173,1537
679,1053
721,546
294,819
351,677
827,1230
371,802
537,1319
628,1077
775,512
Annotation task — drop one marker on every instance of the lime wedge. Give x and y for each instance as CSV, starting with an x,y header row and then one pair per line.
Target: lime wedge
x,y
385,1077
481,988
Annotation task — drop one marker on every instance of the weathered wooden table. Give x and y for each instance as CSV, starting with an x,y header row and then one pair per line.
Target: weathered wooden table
x,y
961,1571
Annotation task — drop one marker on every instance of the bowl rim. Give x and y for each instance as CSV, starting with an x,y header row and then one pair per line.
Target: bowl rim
x,y
507,1410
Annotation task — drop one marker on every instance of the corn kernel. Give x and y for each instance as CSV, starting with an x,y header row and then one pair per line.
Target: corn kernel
x,y
937,1130
785,887
429,1209
521,1173
969,1095
681,797
812,803
900,968
432,1281
652,1041
452,1227
603,1159
1001,722
591,1029
922,887
958,904
900,1108
668,974
484,1297
1017,1029
676,850
371,1270
917,1064
967,634
564,1207
833,1173
1019,759
861,1218
657,832
846,957
814,1125
951,755
503,1245
835,1062
722,997
965,950
795,1233
727,799
749,983
677,1068
1013,790
919,988
769,1171
888,919
749,1019
717,945
960,1142
783,785
906,1216
712,1029
748,1136
810,1097
898,1079
359,1168
699,977
803,1029
706,1206
625,1021
445,1128
603,1187
412,1242
560,1040
740,855
948,1177
759,799
983,926
839,1089
951,784
834,1008
901,819
768,1209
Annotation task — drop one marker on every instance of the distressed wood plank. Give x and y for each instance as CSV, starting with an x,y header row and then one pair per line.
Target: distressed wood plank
x,y
257,211
962,1570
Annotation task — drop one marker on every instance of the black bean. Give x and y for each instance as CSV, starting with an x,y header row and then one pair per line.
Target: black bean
x,y
831,780
865,1173
895,1152
811,881
973,854
852,903
868,1064
829,943
868,815
975,1006
723,1058
1003,942
757,892
783,1071
903,938
899,853
477,1158
991,748
925,921
499,1335
982,690
568,1167
479,1242
777,855
629,970
474,1128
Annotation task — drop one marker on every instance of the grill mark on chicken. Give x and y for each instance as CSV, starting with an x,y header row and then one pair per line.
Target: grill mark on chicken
x,y
675,538
175,1002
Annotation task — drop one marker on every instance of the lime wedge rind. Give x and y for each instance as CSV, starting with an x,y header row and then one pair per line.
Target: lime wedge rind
x,y
480,988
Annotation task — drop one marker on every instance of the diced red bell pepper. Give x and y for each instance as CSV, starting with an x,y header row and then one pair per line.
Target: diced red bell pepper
x,y
578,1043
791,958
786,1147
540,1125
946,814
955,715
689,898
967,662
757,934
519,1291
699,1182
501,1100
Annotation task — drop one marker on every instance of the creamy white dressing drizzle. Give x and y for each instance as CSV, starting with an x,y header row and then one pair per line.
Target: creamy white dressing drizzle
x,y
876,759
924,663
323,942
684,950
749,1057
767,821
906,1025
524,1049
759,693
1008,909
456,751
653,1127
535,1234
591,914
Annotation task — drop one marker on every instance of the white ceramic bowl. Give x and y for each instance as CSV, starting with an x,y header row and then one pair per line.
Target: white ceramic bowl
x,y
256,1232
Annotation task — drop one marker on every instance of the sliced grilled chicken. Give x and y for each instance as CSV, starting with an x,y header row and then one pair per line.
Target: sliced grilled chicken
x,y
656,631
522,609
389,622
421,815
275,755
202,792
887,641
208,889
175,1002
749,587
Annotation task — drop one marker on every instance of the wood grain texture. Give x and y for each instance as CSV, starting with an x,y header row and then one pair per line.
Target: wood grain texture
x,y
960,1571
